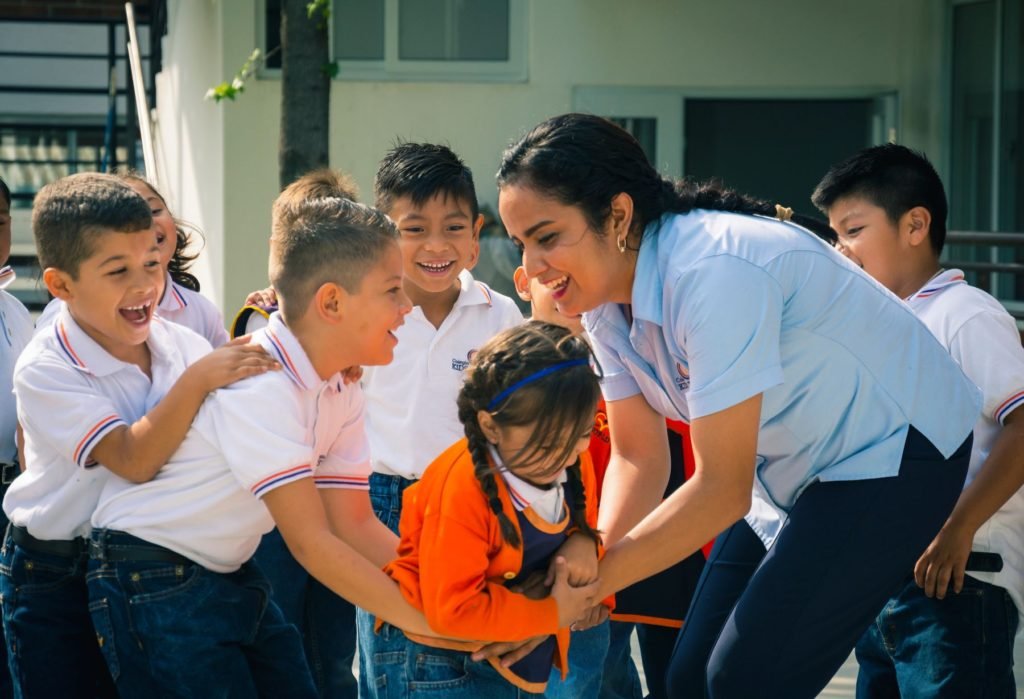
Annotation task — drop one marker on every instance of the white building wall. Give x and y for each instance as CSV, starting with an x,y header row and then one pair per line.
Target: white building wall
x,y
731,46
190,132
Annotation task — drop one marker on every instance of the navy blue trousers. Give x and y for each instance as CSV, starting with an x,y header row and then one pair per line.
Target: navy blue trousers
x,y
781,623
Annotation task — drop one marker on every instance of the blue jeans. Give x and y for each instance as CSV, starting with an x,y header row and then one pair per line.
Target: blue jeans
x,y
325,620
386,498
587,652
779,624
173,630
52,648
402,668
959,647
621,679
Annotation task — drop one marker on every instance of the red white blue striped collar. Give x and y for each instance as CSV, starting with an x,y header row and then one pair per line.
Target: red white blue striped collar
x,y
85,354
283,346
173,298
939,283
472,292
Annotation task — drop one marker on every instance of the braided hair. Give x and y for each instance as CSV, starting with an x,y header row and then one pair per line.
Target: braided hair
x,y
584,161
559,405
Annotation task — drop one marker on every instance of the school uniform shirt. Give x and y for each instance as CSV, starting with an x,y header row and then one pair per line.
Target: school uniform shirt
x,y
179,305
727,306
983,339
71,393
183,306
464,595
15,334
249,438
411,415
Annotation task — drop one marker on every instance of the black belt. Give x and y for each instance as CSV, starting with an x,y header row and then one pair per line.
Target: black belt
x,y
53,547
112,546
8,472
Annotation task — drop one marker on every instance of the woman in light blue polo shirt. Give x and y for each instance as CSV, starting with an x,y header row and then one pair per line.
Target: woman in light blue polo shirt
x,y
805,382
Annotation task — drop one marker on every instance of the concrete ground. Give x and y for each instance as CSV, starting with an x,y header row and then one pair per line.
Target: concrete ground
x,y
843,684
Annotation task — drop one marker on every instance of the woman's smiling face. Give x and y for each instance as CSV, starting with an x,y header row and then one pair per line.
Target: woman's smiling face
x,y
582,268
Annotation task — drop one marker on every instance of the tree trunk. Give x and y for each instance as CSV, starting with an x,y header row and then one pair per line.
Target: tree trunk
x,y
305,92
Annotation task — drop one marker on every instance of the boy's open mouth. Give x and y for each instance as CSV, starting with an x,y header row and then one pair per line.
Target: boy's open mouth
x,y
136,315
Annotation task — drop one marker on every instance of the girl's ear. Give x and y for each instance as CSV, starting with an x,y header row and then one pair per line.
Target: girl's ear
x,y
492,433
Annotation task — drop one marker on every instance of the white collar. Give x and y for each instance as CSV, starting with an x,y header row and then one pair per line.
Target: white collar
x,y
942,280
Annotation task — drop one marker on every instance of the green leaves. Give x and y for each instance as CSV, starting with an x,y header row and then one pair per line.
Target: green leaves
x,y
229,91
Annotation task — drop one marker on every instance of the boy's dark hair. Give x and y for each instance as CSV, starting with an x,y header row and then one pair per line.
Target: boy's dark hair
x,y
562,402
5,191
324,240
584,161
70,214
892,177
421,171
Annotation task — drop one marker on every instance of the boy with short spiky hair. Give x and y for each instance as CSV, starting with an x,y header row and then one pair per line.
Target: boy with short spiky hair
x,y
106,393
286,448
888,206
411,416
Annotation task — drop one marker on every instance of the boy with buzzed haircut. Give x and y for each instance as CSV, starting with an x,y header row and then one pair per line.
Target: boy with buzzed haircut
x,y
410,404
171,572
325,620
888,206
104,394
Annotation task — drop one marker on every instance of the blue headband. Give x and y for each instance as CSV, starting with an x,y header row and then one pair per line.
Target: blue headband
x,y
534,377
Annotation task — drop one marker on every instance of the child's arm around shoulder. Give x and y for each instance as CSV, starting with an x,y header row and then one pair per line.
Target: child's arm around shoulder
x,y
136,452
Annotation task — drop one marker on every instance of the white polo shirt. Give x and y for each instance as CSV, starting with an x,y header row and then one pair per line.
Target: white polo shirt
x,y
410,403
983,339
726,306
15,333
179,305
248,439
185,307
71,393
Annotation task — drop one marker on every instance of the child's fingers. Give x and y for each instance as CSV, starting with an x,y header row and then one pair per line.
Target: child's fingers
x,y
240,340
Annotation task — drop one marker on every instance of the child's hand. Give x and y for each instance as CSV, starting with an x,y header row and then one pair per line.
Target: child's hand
x,y
263,297
580,554
598,614
535,586
573,602
229,363
944,561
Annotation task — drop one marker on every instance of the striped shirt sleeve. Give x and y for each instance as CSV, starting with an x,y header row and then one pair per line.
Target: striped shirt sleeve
x,y
65,407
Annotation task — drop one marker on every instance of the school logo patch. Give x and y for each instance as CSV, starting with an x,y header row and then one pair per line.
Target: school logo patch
x,y
683,378
461,364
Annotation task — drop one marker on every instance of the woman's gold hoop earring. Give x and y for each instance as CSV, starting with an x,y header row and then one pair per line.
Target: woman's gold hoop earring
x,y
621,244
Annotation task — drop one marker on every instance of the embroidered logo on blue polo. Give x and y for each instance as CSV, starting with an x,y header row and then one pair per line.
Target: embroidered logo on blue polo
x,y
683,378
461,364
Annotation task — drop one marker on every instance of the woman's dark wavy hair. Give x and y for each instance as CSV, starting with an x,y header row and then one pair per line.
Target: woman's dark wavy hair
x,y
584,161
561,406
180,261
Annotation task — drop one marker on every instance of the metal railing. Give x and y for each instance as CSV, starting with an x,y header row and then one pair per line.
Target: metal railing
x,y
990,242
